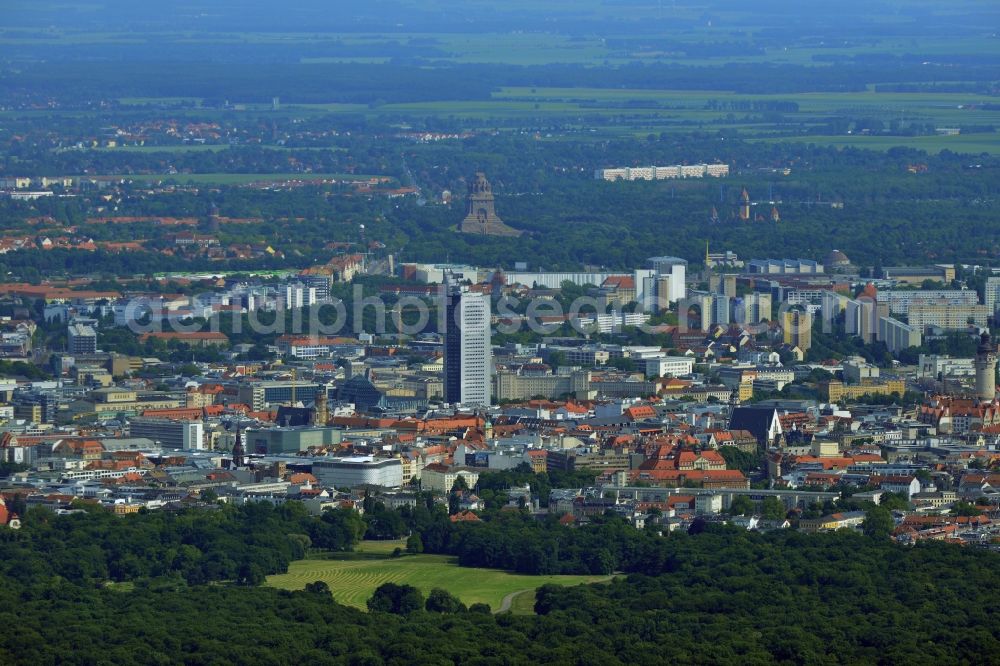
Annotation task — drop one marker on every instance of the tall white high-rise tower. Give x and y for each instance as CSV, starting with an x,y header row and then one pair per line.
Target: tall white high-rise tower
x,y
467,350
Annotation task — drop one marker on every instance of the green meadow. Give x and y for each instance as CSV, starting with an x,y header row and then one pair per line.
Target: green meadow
x,y
353,577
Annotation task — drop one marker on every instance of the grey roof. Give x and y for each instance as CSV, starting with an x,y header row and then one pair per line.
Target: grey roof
x,y
756,420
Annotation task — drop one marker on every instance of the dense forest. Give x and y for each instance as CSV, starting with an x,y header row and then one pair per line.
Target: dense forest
x,y
718,596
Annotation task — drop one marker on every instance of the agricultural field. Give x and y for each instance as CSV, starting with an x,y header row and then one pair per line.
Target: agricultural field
x,y
353,577
611,112
974,144
953,108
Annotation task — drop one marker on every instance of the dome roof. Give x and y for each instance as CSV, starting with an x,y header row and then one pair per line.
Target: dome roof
x,y
837,258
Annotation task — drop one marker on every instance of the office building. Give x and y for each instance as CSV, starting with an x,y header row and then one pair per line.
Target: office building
x,y
467,351
856,372
298,295
933,366
611,322
38,407
318,279
355,471
169,433
259,395
82,339
290,440
674,268
521,386
669,366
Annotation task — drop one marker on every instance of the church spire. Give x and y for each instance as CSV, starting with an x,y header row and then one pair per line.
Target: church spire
x,y
734,402
238,451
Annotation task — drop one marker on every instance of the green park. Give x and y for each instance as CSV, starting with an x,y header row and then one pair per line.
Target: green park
x,y
353,577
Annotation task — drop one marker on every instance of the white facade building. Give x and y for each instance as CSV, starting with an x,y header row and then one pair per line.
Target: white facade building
x,y
298,295
669,366
355,471
674,268
663,172
611,322
932,365
169,433
81,339
467,350
441,478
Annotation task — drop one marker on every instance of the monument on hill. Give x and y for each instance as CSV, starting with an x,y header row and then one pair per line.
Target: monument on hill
x,y
480,214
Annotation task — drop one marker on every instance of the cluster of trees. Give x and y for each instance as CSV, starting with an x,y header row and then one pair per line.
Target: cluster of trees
x,y
406,599
492,487
748,463
513,540
22,369
196,546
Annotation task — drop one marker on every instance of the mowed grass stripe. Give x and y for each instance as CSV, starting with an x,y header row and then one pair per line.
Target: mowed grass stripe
x,y
353,581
